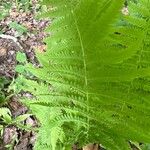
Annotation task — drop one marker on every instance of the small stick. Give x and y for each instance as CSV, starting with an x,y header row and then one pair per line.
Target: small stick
x,y
14,39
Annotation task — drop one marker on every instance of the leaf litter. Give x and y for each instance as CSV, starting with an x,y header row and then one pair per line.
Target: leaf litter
x,y
20,31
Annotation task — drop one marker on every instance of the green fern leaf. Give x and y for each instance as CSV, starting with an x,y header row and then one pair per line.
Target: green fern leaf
x,y
95,80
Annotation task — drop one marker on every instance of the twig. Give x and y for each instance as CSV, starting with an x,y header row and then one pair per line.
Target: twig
x,y
14,39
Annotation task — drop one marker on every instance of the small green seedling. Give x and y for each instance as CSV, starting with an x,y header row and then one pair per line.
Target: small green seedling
x,y
21,58
19,28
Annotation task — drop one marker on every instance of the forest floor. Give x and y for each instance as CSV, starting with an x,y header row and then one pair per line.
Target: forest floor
x,y
20,30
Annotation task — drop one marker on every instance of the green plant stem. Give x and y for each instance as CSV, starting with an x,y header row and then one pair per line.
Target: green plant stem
x,y
17,5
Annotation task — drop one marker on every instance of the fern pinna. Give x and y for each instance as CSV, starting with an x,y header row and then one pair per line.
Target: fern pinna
x,y
94,85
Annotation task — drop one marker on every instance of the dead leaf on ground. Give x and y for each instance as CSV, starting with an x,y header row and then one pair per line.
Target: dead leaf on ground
x,y
9,134
91,147
3,51
41,48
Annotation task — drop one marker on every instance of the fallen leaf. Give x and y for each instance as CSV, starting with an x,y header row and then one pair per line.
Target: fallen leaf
x,y
3,51
91,147
41,48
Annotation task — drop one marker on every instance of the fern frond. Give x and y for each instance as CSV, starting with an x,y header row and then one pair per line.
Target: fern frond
x,y
95,80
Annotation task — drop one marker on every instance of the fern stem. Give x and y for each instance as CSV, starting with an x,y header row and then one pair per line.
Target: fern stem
x,y
84,64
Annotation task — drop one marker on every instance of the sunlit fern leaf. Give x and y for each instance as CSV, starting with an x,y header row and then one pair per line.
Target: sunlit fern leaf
x,y
94,81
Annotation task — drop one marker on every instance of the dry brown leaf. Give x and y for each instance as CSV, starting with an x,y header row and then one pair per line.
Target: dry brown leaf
x,y
125,11
3,51
91,147
24,14
41,48
27,25
14,14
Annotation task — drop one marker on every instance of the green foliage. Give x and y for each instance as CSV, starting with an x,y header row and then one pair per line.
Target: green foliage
x,y
145,147
3,83
19,28
5,115
6,119
21,58
94,85
4,9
